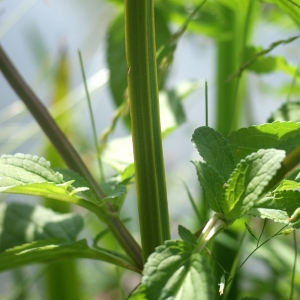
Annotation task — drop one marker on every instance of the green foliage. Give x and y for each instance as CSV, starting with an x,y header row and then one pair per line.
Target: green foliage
x,y
214,149
278,135
54,250
288,111
22,223
279,206
248,181
241,192
241,175
186,235
22,169
291,8
116,57
174,271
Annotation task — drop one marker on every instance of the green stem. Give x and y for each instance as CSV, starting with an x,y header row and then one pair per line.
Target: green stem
x,y
227,54
294,266
69,154
234,265
214,226
145,124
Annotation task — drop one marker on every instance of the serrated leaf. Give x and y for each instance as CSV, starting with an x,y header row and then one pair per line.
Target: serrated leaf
x,y
288,185
212,185
289,111
49,251
247,182
113,190
278,207
25,168
215,150
186,235
31,175
276,215
51,190
248,140
22,223
174,272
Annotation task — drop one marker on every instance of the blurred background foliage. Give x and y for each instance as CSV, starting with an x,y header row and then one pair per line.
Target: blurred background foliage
x,y
247,50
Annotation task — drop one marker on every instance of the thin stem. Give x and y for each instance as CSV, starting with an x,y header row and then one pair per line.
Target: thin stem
x,y
294,266
267,240
92,118
262,231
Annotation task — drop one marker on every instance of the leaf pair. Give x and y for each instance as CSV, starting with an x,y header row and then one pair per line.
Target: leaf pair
x,y
31,234
234,181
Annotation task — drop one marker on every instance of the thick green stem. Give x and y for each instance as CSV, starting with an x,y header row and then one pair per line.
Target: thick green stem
x,y
227,54
214,226
145,124
70,156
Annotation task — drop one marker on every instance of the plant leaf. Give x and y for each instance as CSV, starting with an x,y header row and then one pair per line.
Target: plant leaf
x,y
275,135
53,250
22,223
257,61
174,272
278,207
186,235
247,182
289,111
288,185
215,150
212,184
24,168
31,175
62,192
